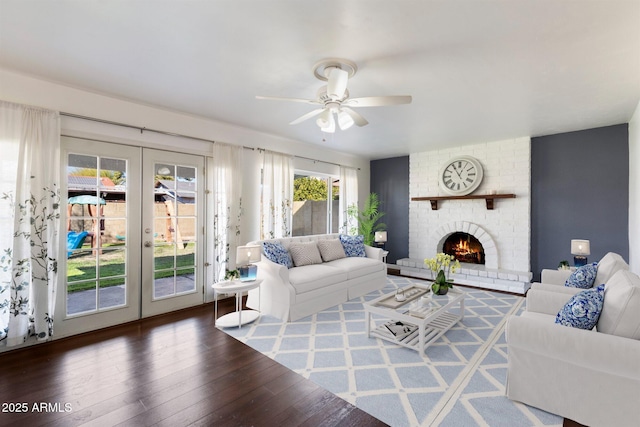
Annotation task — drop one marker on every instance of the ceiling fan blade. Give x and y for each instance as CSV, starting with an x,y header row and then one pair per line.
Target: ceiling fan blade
x,y
358,120
276,98
377,101
307,116
337,83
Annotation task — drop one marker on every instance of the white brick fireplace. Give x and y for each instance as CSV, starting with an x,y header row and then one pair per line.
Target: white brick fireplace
x,y
503,231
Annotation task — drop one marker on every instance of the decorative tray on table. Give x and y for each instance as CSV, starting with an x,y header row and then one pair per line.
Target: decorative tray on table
x,y
410,294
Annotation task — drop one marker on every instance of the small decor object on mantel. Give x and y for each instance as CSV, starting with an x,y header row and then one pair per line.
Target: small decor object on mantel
x,y
442,265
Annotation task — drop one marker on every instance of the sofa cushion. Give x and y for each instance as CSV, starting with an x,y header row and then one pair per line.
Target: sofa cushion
x,y
305,253
621,311
608,265
353,245
357,266
583,277
276,252
331,249
310,277
583,309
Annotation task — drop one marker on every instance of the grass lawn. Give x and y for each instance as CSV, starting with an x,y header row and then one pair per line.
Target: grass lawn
x,y
81,267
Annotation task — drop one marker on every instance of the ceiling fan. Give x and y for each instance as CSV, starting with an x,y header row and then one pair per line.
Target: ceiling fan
x,y
334,97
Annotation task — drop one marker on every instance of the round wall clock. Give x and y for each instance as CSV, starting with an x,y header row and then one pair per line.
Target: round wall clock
x,y
461,175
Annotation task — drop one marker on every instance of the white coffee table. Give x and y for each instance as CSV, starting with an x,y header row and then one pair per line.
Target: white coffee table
x,y
239,317
439,316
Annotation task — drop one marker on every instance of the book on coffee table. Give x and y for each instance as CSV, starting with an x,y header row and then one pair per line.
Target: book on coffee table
x,y
399,329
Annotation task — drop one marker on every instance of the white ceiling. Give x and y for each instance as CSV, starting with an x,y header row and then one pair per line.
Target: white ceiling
x,y
477,70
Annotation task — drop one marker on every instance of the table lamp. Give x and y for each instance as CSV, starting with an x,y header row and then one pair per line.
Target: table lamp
x,y
245,256
580,249
380,237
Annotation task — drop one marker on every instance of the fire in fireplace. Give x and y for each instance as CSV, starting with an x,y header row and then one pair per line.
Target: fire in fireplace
x,y
464,247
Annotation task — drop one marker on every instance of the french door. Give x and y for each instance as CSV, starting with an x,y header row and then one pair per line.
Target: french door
x,y
172,232
134,239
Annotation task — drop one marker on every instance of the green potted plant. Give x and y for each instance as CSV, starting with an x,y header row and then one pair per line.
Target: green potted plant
x,y
232,275
443,264
368,218
564,265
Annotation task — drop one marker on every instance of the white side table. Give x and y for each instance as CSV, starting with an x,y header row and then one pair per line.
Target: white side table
x,y
384,256
238,317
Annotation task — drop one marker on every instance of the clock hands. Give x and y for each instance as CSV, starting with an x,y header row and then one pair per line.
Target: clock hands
x,y
461,175
458,172
456,169
460,168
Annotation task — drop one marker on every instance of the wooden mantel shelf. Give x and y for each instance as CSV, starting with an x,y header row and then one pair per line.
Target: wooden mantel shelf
x,y
489,198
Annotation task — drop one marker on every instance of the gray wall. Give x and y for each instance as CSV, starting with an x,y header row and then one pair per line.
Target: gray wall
x,y
579,190
390,180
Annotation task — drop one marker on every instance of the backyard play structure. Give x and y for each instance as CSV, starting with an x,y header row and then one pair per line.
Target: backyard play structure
x,y
75,239
170,228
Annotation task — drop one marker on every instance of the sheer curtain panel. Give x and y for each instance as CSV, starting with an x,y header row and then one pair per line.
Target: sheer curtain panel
x,y
29,221
227,206
277,195
348,199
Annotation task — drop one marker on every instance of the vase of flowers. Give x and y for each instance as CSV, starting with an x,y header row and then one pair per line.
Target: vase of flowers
x,y
442,265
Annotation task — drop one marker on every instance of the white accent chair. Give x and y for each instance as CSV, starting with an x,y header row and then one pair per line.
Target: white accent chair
x,y
553,280
591,377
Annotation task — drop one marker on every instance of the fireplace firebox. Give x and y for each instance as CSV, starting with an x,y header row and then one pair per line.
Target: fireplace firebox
x,y
464,247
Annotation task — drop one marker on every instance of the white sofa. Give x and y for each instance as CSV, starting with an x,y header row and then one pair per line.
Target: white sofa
x,y
293,293
589,376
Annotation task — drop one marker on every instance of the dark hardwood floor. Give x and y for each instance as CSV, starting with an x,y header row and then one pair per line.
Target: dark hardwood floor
x,y
171,370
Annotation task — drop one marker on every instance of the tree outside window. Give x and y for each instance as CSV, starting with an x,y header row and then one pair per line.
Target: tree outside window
x,y
315,204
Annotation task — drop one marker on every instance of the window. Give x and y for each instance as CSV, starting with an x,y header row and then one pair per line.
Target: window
x,y
315,204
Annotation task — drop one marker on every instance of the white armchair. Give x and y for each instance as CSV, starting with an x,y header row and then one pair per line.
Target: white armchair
x,y
592,377
553,280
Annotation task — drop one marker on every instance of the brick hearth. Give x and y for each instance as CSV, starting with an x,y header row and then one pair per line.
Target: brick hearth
x,y
474,275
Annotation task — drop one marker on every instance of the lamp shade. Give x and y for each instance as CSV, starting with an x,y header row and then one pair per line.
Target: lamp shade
x,y
380,237
580,247
326,122
344,120
247,254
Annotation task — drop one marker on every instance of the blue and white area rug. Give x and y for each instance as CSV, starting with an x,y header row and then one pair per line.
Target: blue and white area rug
x,y
460,381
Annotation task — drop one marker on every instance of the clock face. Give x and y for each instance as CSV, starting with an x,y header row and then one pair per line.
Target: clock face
x,y
461,175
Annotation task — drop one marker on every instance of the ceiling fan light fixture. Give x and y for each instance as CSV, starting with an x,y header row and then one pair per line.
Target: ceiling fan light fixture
x,y
334,98
331,126
324,118
345,121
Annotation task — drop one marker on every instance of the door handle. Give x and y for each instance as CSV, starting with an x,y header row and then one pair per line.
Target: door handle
x,y
148,244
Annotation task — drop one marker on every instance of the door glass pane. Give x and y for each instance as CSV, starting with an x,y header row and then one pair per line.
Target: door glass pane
x,y
175,208
315,204
335,205
96,233
163,257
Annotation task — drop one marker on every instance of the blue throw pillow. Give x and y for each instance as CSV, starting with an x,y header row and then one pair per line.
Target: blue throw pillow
x,y
353,245
583,309
277,253
583,277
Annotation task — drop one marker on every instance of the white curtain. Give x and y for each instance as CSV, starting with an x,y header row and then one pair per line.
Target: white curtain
x,y
277,195
29,221
227,206
348,200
